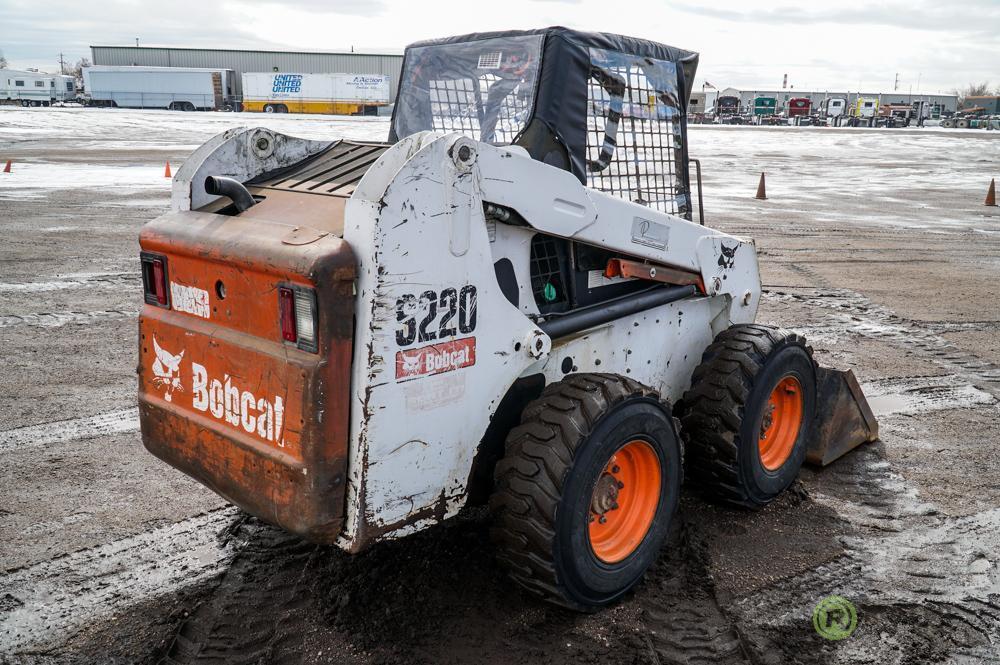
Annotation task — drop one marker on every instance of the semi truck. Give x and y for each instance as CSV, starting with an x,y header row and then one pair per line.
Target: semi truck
x,y
727,110
173,88
340,94
764,106
832,108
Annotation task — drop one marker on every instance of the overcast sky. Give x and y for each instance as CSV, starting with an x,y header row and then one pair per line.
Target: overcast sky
x,y
934,45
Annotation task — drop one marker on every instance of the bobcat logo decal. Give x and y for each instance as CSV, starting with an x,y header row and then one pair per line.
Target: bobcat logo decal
x,y
728,257
167,370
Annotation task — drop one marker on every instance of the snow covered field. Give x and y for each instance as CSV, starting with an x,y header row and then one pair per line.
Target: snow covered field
x,y
920,178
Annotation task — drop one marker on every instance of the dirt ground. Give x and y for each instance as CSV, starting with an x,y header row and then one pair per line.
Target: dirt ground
x,y
874,244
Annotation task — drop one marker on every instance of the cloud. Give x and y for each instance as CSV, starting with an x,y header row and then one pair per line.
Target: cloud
x,y
980,17
346,7
840,45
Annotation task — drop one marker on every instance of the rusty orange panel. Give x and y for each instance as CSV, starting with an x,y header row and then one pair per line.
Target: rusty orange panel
x,y
222,396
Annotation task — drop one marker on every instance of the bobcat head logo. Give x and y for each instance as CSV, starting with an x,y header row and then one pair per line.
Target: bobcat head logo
x,y
728,257
167,370
411,363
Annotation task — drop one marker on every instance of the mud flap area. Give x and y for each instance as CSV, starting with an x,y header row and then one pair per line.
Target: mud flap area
x,y
843,421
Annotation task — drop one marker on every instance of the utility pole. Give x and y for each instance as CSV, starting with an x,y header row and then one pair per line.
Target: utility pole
x,y
137,42
895,86
62,64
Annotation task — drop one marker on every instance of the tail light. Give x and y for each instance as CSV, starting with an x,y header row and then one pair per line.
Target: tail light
x,y
297,310
154,279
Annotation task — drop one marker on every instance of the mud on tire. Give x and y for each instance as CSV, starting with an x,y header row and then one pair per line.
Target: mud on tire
x,y
726,416
548,482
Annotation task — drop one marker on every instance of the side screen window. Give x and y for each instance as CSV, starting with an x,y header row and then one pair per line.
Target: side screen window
x,y
484,89
634,131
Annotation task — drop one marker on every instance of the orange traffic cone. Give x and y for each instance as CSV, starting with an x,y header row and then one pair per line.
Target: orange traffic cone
x,y
166,172
991,195
761,191
6,169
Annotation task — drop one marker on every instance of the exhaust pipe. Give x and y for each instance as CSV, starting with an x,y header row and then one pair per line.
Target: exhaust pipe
x,y
231,189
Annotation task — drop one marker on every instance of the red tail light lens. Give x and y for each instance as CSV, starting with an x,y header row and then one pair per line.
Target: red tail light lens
x,y
154,279
160,281
299,323
286,304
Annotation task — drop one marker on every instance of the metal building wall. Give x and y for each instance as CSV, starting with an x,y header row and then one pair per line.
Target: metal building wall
x,y
252,61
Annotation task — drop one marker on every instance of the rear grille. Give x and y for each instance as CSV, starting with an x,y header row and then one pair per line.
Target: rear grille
x,y
334,172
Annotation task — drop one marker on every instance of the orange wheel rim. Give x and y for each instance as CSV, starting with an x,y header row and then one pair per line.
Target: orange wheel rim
x,y
624,501
779,428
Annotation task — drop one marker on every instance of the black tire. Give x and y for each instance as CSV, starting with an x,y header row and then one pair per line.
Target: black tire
x,y
546,482
724,410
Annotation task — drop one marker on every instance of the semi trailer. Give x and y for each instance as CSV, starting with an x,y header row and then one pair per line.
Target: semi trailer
x,y
173,88
341,94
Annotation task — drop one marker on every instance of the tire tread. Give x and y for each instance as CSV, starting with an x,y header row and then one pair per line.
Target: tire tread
x,y
529,479
714,406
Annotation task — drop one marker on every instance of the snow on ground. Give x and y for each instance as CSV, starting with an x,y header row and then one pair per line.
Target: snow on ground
x,y
148,129
878,177
33,179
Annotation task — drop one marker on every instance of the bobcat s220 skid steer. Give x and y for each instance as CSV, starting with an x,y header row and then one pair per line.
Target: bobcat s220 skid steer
x,y
507,301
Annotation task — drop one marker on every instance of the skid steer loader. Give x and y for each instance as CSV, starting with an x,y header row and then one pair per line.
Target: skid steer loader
x,y
508,300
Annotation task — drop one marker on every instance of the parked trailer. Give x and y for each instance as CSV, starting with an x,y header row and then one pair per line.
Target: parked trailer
x,y
63,87
341,94
988,105
175,88
27,88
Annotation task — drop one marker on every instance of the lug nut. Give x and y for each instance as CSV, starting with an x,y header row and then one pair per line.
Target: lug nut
x,y
603,519
615,469
621,485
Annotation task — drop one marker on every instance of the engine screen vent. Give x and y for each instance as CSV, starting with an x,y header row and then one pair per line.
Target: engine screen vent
x,y
548,284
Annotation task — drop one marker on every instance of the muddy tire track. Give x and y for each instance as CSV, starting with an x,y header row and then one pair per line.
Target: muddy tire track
x,y
59,319
927,586
684,622
853,313
258,610
45,603
87,427
98,281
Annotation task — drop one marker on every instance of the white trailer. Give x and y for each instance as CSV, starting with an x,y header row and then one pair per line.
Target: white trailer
x,y
27,88
343,94
175,88
63,87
